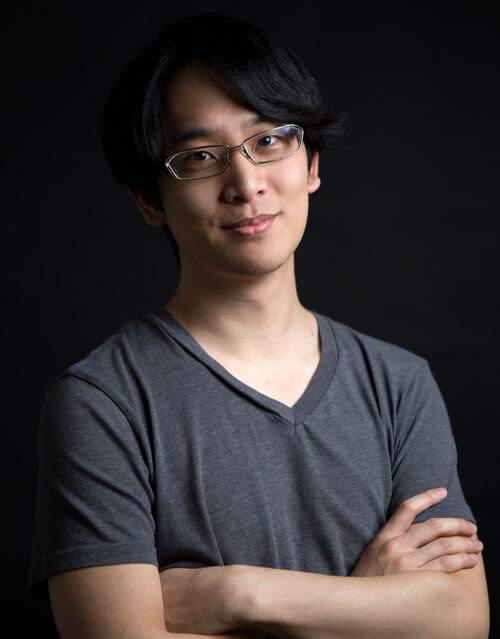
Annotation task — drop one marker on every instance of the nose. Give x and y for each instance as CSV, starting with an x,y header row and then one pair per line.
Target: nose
x,y
244,180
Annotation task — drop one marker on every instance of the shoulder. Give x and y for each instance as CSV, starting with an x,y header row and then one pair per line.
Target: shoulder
x,y
136,342
111,392
137,347
358,343
121,368
383,363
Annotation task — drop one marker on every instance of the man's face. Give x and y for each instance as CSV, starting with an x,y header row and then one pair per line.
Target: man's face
x,y
201,109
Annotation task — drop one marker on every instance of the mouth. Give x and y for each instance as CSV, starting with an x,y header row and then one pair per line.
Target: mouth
x,y
250,221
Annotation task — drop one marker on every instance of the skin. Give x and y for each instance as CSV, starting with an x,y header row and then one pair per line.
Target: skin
x,y
237,297
415,566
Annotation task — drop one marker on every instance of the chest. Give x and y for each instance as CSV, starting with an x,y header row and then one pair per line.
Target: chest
x,y
242,485
284,379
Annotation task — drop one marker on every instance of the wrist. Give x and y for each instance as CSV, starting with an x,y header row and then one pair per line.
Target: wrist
x,y
250,594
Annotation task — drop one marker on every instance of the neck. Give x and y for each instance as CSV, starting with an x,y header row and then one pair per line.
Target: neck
x,y
242,311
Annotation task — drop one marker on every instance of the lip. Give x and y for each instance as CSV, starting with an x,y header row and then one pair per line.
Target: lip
x,y
250,221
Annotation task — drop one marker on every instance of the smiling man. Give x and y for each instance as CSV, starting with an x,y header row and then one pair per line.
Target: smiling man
x,y
236,464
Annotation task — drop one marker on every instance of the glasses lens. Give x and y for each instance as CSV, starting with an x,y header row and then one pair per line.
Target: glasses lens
x,y
267,146
200,162
274,144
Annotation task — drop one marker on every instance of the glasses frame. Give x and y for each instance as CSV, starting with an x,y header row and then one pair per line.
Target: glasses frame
x,y
230,151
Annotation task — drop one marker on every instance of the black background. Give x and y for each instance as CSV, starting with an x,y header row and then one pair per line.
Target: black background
x,y
403,235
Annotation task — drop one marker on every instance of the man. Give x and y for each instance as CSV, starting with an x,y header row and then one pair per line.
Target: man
x,y
236,463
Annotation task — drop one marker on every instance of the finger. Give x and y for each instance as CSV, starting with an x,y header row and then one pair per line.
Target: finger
x,y
446,546
452,563
425,532
403,517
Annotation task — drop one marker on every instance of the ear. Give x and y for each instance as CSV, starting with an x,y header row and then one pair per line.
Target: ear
x,y
153,214
313,180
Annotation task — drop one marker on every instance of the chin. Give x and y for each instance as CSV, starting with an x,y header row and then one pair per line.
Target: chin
x,y
258,264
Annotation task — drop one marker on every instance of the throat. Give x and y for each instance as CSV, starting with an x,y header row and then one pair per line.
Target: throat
x,y
282,371
285,382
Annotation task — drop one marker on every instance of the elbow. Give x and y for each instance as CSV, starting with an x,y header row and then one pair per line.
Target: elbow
x,y
479,627
463,622
474,616
470,622
477,630
468,609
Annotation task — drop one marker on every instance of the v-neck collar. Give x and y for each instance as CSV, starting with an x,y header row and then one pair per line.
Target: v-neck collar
x,y
307,401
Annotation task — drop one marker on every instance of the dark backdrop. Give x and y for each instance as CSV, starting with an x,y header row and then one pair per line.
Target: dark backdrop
x,y
403,234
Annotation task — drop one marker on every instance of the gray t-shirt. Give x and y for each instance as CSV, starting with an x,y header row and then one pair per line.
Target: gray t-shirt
x,y
151,452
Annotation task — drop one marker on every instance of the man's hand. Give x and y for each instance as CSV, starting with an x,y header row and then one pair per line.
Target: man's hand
x,y
206,601
444,544
251,601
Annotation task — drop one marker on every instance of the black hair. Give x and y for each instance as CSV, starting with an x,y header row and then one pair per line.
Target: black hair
x,y
267,75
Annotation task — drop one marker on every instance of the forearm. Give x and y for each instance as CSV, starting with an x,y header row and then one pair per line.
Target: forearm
x,y
302,605
119,602
243,633
422,580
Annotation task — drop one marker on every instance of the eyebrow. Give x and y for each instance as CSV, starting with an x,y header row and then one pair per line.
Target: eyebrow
x,y
183,136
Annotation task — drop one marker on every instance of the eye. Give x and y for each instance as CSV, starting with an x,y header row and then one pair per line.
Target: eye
x,y
198,157
268,140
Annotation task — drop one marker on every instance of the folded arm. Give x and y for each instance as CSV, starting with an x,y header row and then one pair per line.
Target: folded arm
x,y
419,604
414,580
117,602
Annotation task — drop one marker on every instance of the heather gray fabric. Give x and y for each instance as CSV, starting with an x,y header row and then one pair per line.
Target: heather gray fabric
x,y
150,451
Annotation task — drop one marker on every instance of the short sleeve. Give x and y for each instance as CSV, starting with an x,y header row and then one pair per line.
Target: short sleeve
x,y
95,500
425,454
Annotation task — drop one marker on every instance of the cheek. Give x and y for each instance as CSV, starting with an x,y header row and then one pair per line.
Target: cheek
x,y
292,187
184,207
293,176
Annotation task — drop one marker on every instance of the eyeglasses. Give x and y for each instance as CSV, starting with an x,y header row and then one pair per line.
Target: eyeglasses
x,y
267,146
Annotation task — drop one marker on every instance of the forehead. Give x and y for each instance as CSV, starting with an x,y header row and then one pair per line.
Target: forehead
x,y
197,98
